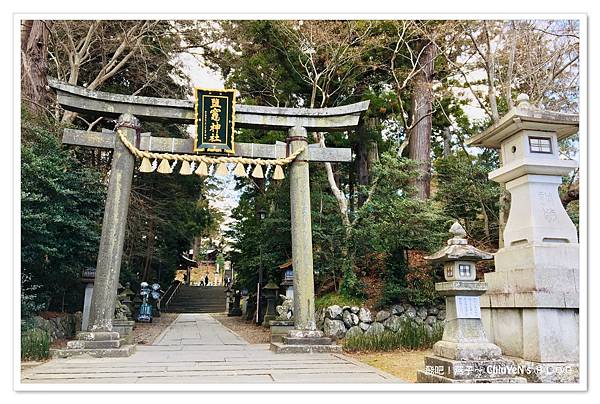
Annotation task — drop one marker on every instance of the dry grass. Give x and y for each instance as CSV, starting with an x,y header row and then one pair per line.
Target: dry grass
x,y
402,364
252,333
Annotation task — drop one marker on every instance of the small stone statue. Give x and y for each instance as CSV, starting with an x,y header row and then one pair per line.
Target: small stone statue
x,y
121,310
285,310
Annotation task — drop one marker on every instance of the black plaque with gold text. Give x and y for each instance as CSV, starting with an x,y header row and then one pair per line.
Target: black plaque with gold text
x,y
215,121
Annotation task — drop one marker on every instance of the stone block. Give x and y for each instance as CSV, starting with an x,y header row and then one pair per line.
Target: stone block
x,y
280,329
364,315
354,332
350,319
397,309
502,299
506,327
375,329
564,256
364,326
382,315
550,335
549,372
464,351
484,301
334,312
422,313
393,323
334,328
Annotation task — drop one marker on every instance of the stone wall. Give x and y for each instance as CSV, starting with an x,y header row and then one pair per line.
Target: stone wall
x,y
61,327
339,322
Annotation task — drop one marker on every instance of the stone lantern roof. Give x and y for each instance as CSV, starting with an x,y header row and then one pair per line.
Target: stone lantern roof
x,y
524,116
271,286
458,248
88,274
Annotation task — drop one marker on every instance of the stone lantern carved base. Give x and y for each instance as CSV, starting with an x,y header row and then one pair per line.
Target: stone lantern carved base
x,y
464,355
306,341
99,344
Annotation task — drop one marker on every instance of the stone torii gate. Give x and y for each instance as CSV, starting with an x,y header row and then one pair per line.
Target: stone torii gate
x,y
99,339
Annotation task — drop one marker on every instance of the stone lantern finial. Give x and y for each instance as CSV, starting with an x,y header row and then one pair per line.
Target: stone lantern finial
x,y
458,230
459,234
523,101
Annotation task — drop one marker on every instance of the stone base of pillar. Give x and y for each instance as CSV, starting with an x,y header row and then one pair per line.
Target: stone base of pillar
x,y
124,328
442,370
280,329
99,344
267,319
305,341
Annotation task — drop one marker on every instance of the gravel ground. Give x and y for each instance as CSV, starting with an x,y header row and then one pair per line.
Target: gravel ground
x,y
252,333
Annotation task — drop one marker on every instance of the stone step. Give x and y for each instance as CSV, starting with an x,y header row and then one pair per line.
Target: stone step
x,y
83,344
121,352
307,341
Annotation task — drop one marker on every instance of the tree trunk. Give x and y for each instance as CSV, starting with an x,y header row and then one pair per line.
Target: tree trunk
x,y
34,64
362,171
420,138
447,138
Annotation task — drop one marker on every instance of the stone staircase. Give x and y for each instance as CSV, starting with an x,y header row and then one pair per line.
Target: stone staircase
x,y
198,299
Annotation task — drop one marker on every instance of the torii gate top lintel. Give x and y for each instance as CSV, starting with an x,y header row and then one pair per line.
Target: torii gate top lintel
x,y
78,99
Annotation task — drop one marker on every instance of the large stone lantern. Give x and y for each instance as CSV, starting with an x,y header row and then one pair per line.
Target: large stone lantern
x,y
464,355
531,309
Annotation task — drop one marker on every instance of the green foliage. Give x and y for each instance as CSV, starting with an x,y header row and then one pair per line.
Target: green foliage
x,y
61,209
418,292
411,335
465,192
340,299
392,223
30,300
35,344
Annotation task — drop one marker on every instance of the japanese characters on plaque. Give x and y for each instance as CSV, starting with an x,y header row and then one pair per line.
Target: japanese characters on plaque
x,y
215,121
468,307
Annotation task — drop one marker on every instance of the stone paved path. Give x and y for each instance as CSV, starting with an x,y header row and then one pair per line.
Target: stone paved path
x,y
197,349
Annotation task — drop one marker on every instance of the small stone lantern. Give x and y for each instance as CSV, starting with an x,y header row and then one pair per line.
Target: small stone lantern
x,y
234,308
228,299
464,355
270,292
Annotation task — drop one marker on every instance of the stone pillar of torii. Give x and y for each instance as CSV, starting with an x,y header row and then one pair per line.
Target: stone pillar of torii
x,y
100,339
